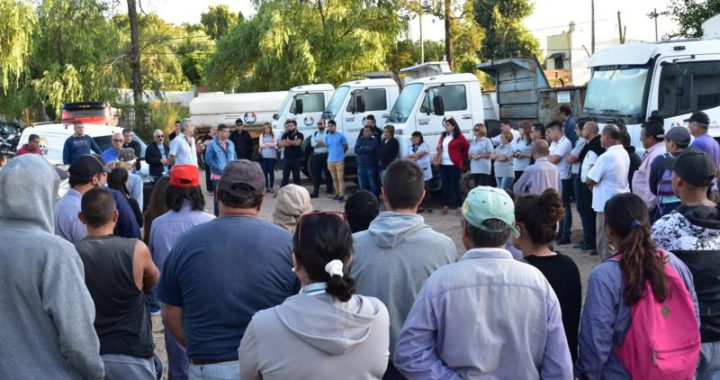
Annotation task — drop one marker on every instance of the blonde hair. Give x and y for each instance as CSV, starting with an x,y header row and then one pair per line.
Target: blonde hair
x,y
507,135
482,129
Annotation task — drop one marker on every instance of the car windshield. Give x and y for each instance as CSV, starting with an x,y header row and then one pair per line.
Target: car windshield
x,y
405,103
616,92
336,102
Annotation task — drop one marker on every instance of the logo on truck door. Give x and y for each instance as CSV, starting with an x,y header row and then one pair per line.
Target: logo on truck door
x,y
309,121
250,117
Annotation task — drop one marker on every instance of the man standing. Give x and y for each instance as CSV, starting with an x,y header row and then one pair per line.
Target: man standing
x,y
182,149
78,144
242,141
699,123
47,313
506,126
291,141
32,146
337,146
609,176
156,155
367,161
560,147
130,143
202,145
319,159
692,233
111,154
652,138
218,153
471,317
677,139
399,251
86,173
541,175
175,131
220,273
588,156
568,123
118,273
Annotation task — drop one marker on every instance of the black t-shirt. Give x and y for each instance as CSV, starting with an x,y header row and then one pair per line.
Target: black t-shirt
x,y
293,151
564,277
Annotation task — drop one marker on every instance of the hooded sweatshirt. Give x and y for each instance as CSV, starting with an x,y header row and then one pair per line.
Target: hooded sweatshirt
x,y
392,260
692,233
292,202
317,337
47,312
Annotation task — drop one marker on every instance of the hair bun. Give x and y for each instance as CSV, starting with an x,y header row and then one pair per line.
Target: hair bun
x,y
550,205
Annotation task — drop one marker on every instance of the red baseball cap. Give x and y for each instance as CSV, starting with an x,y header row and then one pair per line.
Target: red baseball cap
x,y
185,176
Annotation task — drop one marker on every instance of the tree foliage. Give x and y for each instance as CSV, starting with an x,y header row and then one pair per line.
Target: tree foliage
x,y
218,21
289,43
690,14
505,34
18,19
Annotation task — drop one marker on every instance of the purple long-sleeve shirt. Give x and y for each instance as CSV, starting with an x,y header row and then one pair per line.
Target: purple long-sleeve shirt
x,y
486,315
537,177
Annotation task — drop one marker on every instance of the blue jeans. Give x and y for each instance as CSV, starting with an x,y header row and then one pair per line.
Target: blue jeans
x,y
709,362
367,178
215,200
568,188
504,183
268,168
450,177
219,371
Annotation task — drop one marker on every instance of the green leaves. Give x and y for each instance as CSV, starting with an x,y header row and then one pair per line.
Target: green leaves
x,y
690,15
505,33
18,20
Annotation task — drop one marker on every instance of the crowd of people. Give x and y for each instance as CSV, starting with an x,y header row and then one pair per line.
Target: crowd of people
x,y
365,294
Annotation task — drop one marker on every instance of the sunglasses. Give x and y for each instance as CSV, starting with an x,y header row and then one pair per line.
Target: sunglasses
x,y
476,130
302,219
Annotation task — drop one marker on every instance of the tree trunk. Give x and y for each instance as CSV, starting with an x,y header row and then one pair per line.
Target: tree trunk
x,y
135,64
449,48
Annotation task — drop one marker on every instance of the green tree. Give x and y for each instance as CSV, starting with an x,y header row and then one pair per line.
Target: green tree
x,y
218,21
690,14
18,19
505,34
289,43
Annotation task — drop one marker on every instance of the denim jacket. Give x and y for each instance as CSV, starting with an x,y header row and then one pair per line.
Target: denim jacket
x,y
216,157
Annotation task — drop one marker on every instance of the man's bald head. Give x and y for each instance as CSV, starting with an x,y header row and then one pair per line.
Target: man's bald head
x,y
590,129
540,148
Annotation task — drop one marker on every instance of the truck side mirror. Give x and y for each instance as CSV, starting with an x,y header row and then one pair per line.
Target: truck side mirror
x,y
684,92
298,106
438,105
276,116
360,104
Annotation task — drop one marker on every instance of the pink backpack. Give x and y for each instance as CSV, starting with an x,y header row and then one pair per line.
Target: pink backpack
x,y
663,341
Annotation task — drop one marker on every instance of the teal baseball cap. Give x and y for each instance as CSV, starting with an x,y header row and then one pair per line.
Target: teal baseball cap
x,y
483,203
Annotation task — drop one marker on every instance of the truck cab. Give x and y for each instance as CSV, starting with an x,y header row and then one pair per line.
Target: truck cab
x,y
674,78
304,104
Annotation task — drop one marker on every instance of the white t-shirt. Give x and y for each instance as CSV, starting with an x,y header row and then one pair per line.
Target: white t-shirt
x,y
184,150
424,161
445,159
562,148
610,173
587,164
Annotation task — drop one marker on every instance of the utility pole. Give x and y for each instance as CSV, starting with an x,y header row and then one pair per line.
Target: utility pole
x,y
621,32
135,64
592,26
422,41
449,48
654,15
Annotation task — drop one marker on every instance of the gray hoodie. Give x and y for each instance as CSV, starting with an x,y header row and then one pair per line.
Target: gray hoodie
x,y
46,311
392,260
317,337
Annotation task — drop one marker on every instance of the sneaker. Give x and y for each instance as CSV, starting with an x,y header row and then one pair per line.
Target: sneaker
x,y
154,311
333,196
340,199
564,241
271,190
314,195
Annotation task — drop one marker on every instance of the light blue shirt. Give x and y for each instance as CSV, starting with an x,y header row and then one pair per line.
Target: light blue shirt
x,y
486,315
336,143
319,136
167,228
110,155
67,224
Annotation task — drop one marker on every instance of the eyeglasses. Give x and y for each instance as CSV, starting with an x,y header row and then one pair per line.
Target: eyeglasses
x,y
159,136
301,221
476,130
116,140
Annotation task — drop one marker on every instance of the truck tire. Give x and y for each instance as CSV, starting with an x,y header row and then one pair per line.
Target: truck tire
x,y
466,183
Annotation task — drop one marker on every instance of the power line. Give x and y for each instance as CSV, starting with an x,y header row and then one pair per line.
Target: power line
x,y
565,25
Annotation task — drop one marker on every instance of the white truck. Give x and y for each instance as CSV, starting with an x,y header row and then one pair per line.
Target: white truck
x,y
674,78
254,108
305,104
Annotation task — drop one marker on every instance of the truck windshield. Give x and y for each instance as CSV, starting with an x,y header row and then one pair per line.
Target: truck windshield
x,y
405,103
283,107
616,92
336,102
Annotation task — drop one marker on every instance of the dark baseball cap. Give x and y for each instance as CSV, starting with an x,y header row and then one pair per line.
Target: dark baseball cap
x,y
678,135
84,168
699,117
654,128
695,167
241,178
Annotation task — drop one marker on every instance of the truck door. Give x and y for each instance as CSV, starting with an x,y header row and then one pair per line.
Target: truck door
x,y
455,100
375,102
313,105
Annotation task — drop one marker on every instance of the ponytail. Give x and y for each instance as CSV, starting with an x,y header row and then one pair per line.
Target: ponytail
x,y
340,287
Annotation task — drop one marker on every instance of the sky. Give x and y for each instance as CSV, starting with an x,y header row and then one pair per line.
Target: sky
x,y
549,17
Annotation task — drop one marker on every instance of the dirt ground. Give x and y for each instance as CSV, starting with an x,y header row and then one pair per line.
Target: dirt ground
x,y
448,224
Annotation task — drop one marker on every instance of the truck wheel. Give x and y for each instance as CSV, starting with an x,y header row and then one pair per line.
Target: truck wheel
x,y
466,183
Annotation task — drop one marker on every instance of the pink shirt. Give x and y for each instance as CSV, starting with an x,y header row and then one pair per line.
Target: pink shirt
x,y
641,179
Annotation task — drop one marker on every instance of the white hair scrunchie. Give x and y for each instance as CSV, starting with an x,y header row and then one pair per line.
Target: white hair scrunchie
x,y
334,268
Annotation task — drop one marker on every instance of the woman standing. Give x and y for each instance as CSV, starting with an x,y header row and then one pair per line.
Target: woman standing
x,y
480,150
268,153
619,283
536,217
452,151
419,153
387,150
522,150
326,331
503,157
537,132
118,180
